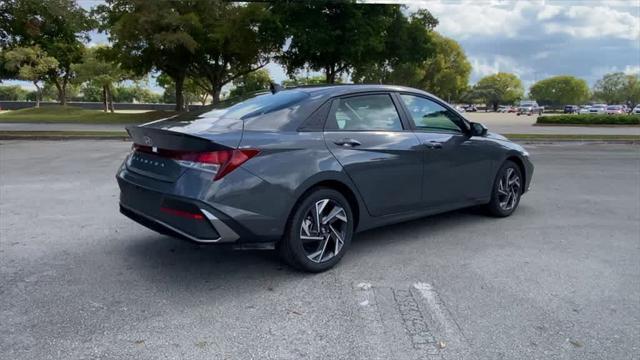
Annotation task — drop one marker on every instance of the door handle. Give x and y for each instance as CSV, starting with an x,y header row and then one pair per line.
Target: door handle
x,y
347,142
433,145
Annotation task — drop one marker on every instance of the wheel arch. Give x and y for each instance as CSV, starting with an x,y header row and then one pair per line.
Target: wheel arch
x,y
339,185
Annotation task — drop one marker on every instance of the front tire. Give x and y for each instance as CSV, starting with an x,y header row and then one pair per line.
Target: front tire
x,y
319,231
507,190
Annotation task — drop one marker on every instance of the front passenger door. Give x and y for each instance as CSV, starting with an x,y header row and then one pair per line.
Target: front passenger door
x,y
366,135
457,169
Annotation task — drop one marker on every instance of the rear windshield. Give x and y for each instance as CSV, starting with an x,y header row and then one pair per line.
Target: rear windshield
x,y
258,105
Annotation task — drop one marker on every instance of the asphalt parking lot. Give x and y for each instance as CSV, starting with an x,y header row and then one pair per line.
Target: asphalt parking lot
x,y
560,279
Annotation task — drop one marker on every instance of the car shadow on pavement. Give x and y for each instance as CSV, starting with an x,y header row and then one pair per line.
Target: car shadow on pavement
x,y
165,259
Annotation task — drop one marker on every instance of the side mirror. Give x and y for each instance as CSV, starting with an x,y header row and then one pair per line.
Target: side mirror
x,y
478,129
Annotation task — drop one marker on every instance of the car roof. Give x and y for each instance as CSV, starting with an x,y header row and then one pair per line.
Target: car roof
x,y
346,89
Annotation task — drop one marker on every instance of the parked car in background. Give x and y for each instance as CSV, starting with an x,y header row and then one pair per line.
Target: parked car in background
x,y
529,107
636,110
304,169
503,108
471,108
616,110
584,109
571,109
598,109
460,108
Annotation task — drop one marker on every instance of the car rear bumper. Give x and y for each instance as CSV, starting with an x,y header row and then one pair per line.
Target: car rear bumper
x,y
178,216
528,168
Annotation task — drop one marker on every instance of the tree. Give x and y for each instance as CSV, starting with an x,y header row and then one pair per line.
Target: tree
x,y
251,82
307,80
212,42
91,92
30,64
234,40
617,88
153,34
12,93
98,71
560,90
135,93
338,37
192,91
500,88
445,73
57,26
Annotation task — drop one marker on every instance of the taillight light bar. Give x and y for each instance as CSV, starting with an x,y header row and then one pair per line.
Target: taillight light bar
x,y
221,162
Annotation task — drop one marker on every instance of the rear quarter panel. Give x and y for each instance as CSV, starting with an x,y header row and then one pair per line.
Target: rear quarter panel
x,y
289,163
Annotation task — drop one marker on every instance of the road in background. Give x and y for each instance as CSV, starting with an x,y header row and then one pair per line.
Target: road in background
x,y
560,279
503,123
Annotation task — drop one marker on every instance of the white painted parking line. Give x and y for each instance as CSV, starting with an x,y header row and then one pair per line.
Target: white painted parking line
x,y
408,321
450,339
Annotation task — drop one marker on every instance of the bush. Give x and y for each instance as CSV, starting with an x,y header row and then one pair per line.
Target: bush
x,y
588,119
12,93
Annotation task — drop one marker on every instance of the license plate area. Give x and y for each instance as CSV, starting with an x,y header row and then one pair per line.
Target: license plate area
x,y
154,166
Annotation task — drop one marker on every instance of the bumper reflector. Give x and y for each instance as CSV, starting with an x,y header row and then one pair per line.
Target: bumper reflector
x,y
181,213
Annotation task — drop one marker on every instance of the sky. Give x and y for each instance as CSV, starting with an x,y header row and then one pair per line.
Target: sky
x,y
534,39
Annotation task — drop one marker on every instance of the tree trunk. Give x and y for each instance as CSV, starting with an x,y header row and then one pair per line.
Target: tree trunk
x,y
63,93
60,90
110,95
215,96
104,98
179,92
204,99
330,74
38,94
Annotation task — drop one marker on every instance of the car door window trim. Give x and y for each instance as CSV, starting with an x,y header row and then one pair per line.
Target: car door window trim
x,y
461,122
336,102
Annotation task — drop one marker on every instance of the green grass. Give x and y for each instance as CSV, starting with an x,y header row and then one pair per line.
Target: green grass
x,y
62,135
588,119
572,137
69,114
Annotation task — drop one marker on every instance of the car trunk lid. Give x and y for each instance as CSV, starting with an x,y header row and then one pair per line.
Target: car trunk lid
x,y
164,150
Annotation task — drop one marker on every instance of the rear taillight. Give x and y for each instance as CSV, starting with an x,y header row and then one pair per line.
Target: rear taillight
x,y
220,162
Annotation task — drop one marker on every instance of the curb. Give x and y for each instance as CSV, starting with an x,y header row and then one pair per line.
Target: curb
x,y
587,125
63,135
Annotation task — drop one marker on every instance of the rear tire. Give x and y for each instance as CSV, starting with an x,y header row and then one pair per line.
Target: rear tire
x,y
507,190
315,248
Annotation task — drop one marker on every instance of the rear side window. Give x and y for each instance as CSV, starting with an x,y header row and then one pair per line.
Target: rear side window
x,y
365,112
429,115
260,105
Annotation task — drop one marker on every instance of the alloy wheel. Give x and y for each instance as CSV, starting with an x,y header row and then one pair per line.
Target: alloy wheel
x,y
323,230
509,189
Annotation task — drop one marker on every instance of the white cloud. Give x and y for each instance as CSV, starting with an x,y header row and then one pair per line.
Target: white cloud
x,y
549,12
632,69
596,22
499,63
465,19
510,19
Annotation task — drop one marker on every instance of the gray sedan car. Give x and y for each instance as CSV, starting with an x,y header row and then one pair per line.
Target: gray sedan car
x,y
303,169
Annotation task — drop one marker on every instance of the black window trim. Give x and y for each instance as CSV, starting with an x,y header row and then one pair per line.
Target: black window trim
x,y
399,109
462,123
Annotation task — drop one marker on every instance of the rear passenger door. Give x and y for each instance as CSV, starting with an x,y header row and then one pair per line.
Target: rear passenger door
x,y
378,152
